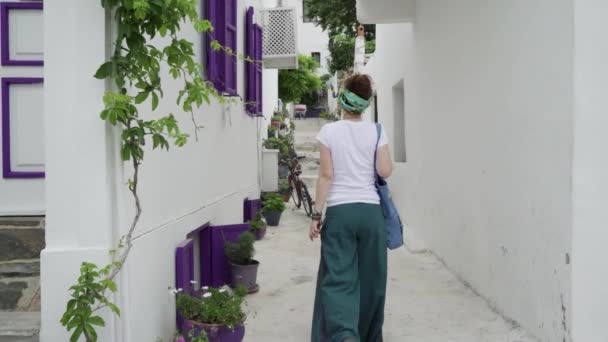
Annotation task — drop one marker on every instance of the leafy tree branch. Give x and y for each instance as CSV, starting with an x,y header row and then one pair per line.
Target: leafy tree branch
x,y
135,71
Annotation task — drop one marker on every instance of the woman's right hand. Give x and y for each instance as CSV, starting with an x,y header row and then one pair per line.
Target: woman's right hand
x,y
315,229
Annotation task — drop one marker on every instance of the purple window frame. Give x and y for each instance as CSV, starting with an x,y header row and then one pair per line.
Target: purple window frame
x,y
7,172
222,67
213,65
250,41
254,70
259,68
231,41
5,8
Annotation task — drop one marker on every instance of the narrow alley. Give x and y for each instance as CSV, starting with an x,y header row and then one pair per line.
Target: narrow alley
x,y
425,303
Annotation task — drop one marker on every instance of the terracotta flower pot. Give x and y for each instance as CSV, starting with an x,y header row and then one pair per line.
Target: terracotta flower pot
x,y
286,197
215,332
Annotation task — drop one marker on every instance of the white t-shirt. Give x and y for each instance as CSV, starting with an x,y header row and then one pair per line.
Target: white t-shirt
x,y
352,145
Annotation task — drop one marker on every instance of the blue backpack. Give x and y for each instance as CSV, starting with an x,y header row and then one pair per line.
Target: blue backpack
x,y
394,227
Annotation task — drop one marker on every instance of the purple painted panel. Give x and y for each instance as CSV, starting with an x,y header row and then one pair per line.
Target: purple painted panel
x,y
220,268
259,35
250,209
214,60
230,41
184,270
5,7
7,172
205,255
250,72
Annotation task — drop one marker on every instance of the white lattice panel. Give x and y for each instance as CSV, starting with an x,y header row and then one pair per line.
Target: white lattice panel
x,y
280,38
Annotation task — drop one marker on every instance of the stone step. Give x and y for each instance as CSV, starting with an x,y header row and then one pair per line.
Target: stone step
x,y
21,241
21,222
21,238
19,326
19,268
20,294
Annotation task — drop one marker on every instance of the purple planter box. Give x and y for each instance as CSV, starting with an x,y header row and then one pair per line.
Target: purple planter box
x,y
214,265
215,269
215,333
251,208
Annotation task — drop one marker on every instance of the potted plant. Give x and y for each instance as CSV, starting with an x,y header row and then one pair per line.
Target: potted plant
x,y
244,268
202,336
276,119
284,189
217,313
272,132
257,226
276,144
273,206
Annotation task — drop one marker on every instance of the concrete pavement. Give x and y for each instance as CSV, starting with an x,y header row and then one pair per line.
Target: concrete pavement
x,y
425,302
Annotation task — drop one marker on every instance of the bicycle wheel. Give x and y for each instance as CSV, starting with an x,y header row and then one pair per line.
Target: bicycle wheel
x,y
294,192
306,200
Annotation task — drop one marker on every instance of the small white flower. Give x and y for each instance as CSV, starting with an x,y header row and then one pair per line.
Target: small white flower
x,y
180,290
205,288
223,290
193,282
207,295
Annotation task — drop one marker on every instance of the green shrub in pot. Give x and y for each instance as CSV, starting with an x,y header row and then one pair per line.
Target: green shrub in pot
x,y
284,189
257,226
273,206
244,268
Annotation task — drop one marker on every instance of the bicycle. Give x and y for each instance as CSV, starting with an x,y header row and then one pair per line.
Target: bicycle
x,y
299,190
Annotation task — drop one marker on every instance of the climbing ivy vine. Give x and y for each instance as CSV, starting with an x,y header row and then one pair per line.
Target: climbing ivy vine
x,y
135,72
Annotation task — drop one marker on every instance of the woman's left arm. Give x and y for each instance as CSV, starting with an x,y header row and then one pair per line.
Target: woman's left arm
x,y
326,176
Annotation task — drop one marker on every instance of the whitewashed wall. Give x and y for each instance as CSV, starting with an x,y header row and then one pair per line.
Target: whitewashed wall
x,y
488,129
89,205
311,37
590,184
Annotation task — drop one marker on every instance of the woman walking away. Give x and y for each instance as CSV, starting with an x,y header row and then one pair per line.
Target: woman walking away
x,y
351,285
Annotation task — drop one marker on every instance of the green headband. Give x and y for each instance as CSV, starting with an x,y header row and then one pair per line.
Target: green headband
x,y
352,102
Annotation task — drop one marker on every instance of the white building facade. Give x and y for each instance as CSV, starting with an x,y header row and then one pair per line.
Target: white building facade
x,y
88,205
497,120
312,41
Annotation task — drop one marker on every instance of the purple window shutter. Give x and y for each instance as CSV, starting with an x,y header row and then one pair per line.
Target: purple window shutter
x,y
250,72
251,208
218,273
259,68
184,270
214,61
230,41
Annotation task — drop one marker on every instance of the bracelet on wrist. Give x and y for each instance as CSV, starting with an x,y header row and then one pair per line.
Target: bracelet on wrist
x,y
316,215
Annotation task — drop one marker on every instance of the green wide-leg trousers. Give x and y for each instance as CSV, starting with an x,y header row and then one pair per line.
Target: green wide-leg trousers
x,y
351,284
